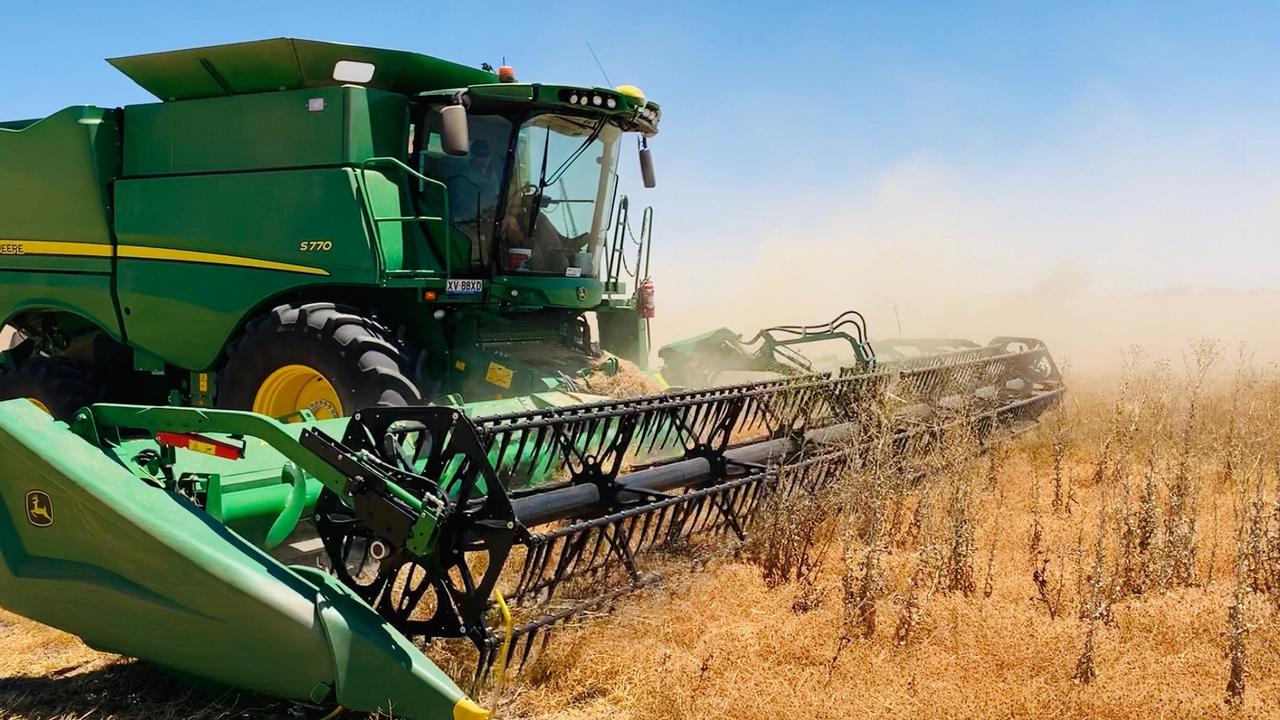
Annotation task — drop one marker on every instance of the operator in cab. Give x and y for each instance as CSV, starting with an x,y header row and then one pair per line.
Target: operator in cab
x,y
547,249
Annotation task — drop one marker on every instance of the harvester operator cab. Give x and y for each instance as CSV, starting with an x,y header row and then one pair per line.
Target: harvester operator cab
x,y
535,193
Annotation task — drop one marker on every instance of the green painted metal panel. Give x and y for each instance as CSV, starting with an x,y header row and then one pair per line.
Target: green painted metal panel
x,y
624,333
83,294
53,192
55,233
275,130
287,64
184,309
132,570
378,667
54,175
394,238
377,124
539,291
327,126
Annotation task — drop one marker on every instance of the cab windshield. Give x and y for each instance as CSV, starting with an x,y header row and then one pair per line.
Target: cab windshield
x,y
549,212
559,196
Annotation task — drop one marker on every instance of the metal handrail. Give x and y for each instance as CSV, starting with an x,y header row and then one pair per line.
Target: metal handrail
x,y
613,262
646,241
444,195
616,262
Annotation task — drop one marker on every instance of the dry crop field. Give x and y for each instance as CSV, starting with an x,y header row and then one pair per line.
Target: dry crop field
x,y
1120,560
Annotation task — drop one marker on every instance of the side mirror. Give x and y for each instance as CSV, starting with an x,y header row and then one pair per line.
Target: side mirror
x,y
454,137
646,168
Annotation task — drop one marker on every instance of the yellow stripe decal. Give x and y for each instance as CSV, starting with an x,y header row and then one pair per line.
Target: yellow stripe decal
x,y
140,252
51,247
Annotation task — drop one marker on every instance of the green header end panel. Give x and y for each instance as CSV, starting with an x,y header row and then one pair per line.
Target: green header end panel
x,y
87,547
228,203
55,216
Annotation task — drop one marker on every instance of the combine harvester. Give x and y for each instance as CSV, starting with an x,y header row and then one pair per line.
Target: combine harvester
x,y
260,539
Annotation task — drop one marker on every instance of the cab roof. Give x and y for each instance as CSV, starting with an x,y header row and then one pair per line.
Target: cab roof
x,y
290,64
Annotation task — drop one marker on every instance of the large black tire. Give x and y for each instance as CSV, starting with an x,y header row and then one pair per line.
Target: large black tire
x,y
58,384
353,353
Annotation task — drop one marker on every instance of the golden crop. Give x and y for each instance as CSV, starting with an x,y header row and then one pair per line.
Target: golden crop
x,y
1120,560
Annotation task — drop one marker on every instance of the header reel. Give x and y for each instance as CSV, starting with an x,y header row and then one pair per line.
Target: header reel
x,y
565,505
425,586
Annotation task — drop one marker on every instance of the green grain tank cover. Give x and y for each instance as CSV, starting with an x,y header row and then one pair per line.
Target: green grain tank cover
x,y
289,64
291,129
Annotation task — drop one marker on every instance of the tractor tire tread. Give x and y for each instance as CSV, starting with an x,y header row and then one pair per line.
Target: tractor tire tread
x,y
60,383
361,342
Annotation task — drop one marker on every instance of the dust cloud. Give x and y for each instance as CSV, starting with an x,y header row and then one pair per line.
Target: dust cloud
x,y
1093,246
1087,332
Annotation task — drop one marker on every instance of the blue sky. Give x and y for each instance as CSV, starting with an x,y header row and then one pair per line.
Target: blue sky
x,y
978,81
1103,147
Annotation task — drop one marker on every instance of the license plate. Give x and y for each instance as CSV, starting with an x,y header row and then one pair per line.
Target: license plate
x,y
463,287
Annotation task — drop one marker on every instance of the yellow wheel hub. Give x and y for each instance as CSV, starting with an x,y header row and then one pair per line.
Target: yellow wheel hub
x,y
293,388
42,406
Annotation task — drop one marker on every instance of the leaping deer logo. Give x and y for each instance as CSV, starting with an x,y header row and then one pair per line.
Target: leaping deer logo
x,y
39,508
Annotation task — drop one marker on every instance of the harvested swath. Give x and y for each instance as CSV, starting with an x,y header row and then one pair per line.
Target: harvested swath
x,y
627,382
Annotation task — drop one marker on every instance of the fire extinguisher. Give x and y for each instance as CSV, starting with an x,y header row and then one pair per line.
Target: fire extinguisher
x,y
644,302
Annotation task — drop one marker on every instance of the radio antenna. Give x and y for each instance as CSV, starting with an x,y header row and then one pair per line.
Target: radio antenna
x,y
599,65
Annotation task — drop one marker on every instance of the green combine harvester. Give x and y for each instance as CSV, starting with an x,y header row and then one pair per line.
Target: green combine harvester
x,y
311,226
232,436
